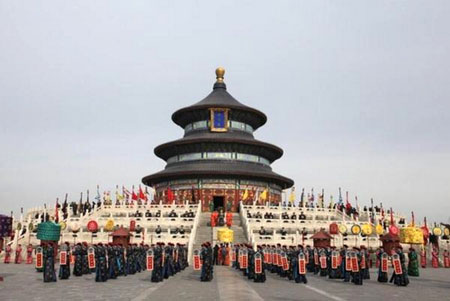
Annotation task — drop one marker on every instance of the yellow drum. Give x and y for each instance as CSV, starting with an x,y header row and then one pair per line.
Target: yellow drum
x,y
63,225
225,235
437,231
446,231
366,229
109,226
356,229
379,229
342,229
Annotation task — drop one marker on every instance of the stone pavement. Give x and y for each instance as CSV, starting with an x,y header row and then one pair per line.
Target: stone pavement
x,y
21,282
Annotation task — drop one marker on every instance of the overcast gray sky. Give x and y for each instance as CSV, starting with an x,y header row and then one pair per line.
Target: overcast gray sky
x,y
357,92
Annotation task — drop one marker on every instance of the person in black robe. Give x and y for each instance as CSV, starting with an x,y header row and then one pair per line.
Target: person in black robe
x,y
261,277
84,260
357,274
345,274
298,278
157,275
400,279
64,270
120,254
207,257
382,276
113,269
49,265
78,266
101,271
323,257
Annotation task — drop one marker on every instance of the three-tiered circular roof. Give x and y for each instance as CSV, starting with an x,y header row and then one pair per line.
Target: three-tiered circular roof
x,y
204,140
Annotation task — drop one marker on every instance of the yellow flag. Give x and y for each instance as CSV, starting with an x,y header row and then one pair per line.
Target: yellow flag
x,y
263,195
245,195
292,196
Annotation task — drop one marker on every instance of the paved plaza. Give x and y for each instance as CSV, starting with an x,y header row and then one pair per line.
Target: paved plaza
x,y
22,282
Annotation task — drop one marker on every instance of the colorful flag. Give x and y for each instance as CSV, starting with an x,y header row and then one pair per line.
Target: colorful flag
x,y
134,196
142,196
264,194
292,196
170,195
119,197
245,195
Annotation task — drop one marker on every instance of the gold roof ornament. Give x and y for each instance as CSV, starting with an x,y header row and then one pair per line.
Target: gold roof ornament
x,y
220,72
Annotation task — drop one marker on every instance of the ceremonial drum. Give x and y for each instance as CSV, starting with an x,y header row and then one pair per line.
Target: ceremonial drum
x,y
343,229
367,229
334,228
92,226
63,225
446,231
393,230
356,229
437,231
109,226
379,229
75,227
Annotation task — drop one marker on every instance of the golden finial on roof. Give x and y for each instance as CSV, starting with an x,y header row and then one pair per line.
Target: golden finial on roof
x,y
219,74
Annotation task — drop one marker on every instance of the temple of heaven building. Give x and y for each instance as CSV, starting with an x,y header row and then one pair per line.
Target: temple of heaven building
x,y
218,161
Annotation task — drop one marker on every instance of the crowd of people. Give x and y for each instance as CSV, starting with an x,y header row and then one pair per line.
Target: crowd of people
x,y
294,263
110,261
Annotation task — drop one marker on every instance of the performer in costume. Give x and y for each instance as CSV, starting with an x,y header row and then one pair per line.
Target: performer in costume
x,y
101,271
157,275
346,264
413,263
84,259
18,258
206,257
323,263
435,258
30,254
334,265
399,276
258,264
355,257
78,266
8,252
364,263
299,267
49,264
383,259
64,269
446,259
423,257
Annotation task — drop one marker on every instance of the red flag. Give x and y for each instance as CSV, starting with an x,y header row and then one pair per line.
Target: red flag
x,y
170,196
56,212
348,206
142,195
134,196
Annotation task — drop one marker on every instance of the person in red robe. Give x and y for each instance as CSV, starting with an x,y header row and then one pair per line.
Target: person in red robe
x,y
435,258
30,254
18,258
446,259
8,252
227,256
229,218
423,258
